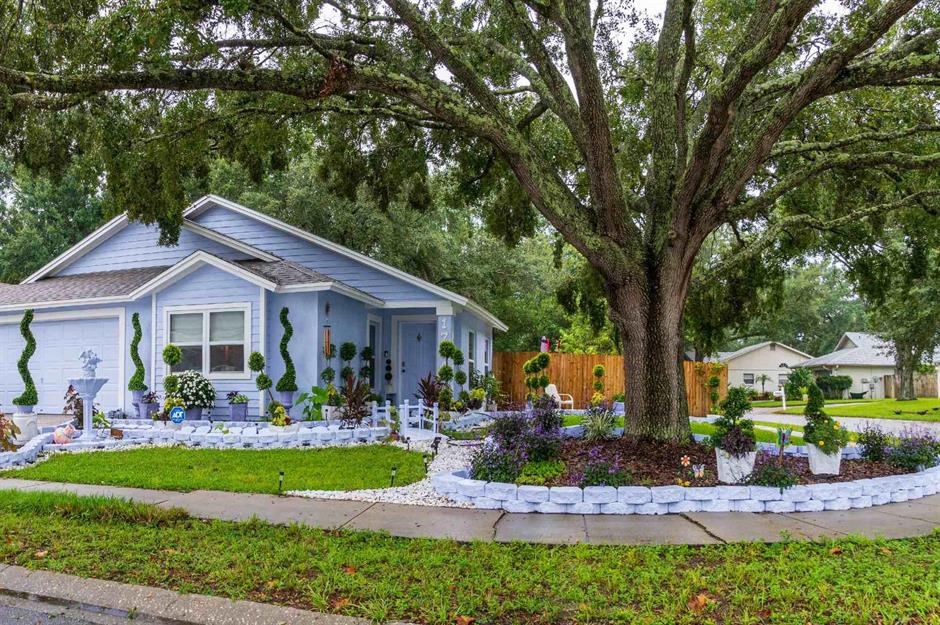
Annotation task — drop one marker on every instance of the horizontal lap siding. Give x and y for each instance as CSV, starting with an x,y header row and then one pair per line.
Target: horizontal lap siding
x,y
354,273
205,286
137,246
573,374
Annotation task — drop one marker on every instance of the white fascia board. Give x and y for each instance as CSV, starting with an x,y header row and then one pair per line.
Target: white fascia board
x,y
193,262
228,241
81,248
90,301
332,286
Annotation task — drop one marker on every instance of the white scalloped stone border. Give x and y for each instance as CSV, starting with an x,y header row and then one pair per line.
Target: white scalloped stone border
x,y
239,435
459,488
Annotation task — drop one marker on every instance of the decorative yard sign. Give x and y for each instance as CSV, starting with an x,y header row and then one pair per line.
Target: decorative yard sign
x,y
177,414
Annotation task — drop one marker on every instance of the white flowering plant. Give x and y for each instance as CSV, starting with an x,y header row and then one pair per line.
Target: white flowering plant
x,y
195,390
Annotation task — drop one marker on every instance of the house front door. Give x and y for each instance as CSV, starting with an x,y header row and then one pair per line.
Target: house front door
x,y
416,347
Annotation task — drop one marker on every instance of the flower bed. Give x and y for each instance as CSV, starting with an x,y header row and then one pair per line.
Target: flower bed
x,y
864,493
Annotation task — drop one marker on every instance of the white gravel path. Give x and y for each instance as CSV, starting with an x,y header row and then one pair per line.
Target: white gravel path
x,y
449,458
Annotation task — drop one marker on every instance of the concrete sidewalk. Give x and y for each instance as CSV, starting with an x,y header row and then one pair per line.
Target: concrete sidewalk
x,y
152,605
899,520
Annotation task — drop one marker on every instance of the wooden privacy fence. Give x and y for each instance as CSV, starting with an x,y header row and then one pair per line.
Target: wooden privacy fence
x,y
925,385
573,374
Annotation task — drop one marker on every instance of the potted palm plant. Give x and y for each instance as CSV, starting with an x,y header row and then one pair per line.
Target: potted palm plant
x,y
734,441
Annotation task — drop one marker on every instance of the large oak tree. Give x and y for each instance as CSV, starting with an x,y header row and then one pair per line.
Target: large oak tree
x,y
635,153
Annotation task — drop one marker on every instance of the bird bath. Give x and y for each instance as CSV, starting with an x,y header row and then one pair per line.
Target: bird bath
x,y
87,388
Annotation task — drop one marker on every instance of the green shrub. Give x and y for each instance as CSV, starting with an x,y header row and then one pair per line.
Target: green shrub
x,y
772,474
833,386
288,381
874,442
799,378
826,433
136,383
914,450
541,472
29,397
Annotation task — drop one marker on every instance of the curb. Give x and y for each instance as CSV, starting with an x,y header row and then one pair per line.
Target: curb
x,y
157,604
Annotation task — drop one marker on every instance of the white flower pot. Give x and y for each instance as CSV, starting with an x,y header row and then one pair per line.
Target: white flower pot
x,y
28,423
822,463
734,469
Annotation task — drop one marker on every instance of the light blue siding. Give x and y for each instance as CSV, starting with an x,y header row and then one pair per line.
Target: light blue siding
x,y
352,272
465,324
347,320
137,246
208,286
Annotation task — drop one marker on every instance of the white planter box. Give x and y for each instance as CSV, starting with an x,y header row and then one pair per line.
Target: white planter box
x,y
734,469
821,463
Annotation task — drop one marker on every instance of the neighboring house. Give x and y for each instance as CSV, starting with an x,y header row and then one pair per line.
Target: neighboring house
x,y
864,357
218,295
748,364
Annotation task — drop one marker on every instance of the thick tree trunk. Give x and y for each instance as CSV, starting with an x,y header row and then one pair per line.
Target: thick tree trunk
x,y
905,364
649,317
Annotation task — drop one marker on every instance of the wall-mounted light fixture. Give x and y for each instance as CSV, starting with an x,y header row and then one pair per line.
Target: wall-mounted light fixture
x,y
326,311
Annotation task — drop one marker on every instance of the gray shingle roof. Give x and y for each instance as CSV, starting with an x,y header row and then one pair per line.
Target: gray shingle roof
x,y
80,286
859,349
283,272
123,282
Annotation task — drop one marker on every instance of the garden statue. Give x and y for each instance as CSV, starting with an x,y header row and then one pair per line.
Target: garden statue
x,y
90,362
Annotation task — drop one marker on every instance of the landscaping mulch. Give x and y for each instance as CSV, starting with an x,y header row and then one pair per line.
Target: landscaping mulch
x,y
658,463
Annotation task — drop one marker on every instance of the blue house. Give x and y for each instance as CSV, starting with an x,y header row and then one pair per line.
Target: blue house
x,y
217,294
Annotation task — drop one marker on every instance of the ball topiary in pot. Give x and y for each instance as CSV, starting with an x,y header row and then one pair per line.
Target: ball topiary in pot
x,y
824,436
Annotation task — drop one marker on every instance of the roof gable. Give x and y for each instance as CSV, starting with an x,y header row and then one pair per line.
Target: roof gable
x,y
729,356
339,262
121,244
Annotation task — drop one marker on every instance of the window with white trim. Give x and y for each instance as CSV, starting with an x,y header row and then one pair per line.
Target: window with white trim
x,y
213,342
486,356
471,351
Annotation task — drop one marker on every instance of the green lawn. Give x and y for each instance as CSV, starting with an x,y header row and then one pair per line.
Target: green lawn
x,y
884,409
384,578
776,403
764,436
708,429
241,470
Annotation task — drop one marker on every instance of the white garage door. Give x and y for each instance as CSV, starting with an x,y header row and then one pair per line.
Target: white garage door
x,y
58,345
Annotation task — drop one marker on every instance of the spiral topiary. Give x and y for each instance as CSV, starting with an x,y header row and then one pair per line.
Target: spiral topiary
x,y
288,381
136,382
29,397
